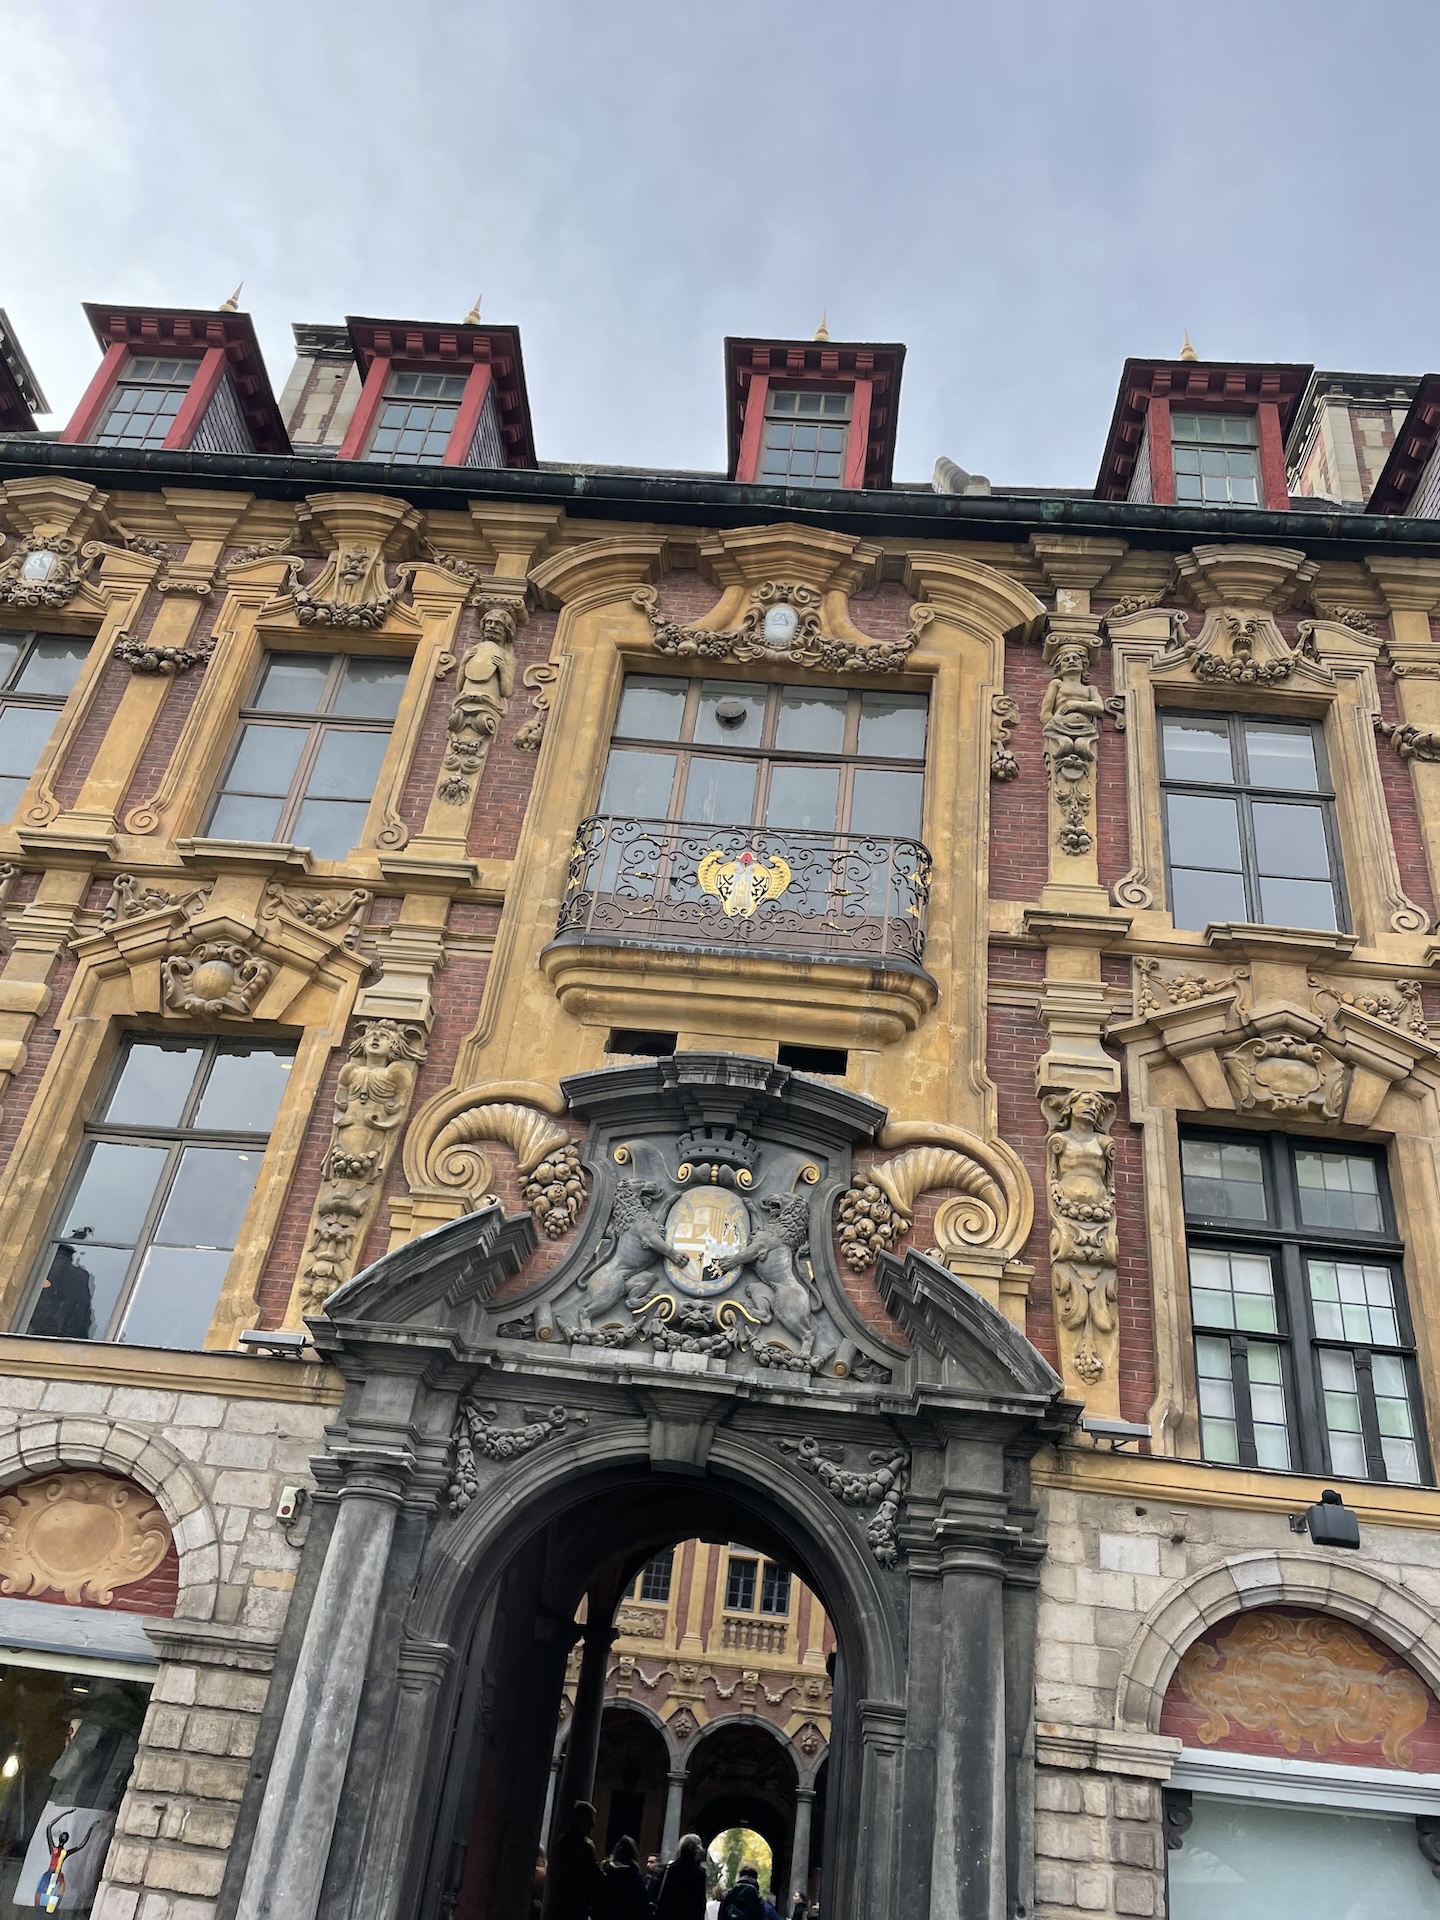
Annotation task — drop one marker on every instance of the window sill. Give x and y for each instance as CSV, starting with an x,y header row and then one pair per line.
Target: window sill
x,y
241,1376
1258,942
244,856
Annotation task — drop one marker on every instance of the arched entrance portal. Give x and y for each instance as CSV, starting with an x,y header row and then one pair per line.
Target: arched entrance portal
x,y
743,1776
508,1449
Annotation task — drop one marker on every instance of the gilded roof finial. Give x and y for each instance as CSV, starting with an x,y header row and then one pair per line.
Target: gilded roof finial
x,y
232,305
472,318
1187,352
822,332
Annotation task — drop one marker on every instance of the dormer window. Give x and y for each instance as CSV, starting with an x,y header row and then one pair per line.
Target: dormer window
x,y
1217,459
146,401
806,433
417,418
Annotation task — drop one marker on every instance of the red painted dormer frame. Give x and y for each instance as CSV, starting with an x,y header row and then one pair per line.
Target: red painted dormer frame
x,y
489,356
1150,389
221,342
869,373
1415,442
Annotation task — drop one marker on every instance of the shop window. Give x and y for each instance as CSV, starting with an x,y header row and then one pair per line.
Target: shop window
x,y
1304,1351
654,1581
1217,459
806,433
1250,832
37,672
154,1207
307,761
146,400
797,758
68,1742
1245,1859
417,417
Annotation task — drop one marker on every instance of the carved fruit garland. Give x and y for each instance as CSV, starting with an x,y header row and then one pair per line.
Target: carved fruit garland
x,y
874,1213
544,1153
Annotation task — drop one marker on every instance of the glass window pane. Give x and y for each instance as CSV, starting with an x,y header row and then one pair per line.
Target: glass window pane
x,y
330,828
1187,486
1223,1179
238,818
1267,1404
1197,750
730,715
23,734
1198,898
115,1193
347,767
775,1589
892,725
266,759
1338,1190
1281,756
9,654
1297,903
886,801
53,667
293,683
638,784
1232,1290
244,1091
1219,1433
812,720
208,1197
651,708
803,797
740,1586
78,1296
371,689
1204,830
1289,841
174,1298
720,793
154,1085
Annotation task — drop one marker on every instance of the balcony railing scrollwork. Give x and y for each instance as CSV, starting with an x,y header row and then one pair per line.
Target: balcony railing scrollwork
x,y
850,896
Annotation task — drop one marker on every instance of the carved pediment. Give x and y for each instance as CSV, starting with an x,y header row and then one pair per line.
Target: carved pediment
x,y
785,621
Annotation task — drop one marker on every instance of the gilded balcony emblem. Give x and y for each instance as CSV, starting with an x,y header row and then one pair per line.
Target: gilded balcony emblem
x,y
742,883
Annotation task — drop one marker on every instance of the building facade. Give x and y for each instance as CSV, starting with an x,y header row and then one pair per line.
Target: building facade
x,y
557,1022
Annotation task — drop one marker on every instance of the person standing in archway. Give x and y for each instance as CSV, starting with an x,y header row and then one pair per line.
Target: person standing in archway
x,y
622,1894
572,1878
682,1891
744,1901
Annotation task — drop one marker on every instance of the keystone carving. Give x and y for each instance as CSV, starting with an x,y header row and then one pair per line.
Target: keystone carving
x,y
879,1210
487,680
1004,717
79,1535
477,1434
46,570
349,591
217,977
782,623
1084,1253
141,657
322,911
129,899
1404,1008
372,1097
1070,716
1287,1076
883,1487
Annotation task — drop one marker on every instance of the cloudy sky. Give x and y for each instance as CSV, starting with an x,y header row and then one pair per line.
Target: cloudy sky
x,y
1024,192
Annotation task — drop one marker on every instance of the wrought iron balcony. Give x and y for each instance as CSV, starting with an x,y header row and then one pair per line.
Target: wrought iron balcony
x,y
852,896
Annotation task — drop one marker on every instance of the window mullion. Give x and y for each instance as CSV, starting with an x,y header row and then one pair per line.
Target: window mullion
x,y
1369,1418
295,798
1240,1384
1310,1404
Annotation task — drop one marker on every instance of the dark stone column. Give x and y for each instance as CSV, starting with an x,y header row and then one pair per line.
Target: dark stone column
x,y
800,1851
968,1871
582,1746
674,1806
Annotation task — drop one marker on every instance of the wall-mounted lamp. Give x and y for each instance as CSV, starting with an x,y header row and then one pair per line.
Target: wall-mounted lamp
x,y
1329,1523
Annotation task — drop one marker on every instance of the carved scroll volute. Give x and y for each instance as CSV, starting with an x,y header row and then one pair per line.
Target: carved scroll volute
x,y
1070,717
372,1098
1084,1251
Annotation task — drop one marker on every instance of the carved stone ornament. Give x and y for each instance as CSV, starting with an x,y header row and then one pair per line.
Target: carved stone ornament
x,y
1156,988
882,1486
80,1535
487,680
213,978
349,591
544,1152
1411,743
46,570
1403,1009
1287,1076
1084,1253
1070,716
640,1622
1004,717
372,1098
322,911
141,657
1356,618
478,1436
540,678
1243,648
129,898
783,623
878,1210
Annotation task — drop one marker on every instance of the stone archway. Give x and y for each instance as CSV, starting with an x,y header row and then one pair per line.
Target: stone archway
x,y
741,1773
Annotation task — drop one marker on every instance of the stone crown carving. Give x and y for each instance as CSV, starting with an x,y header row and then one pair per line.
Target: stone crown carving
x,y
214,979
783,622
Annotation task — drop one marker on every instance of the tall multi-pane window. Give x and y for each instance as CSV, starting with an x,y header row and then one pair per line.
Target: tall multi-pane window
x,y
806,432
154,1207
37,671
308,757
747,1580
775,1589
654,1581
417,418
1250,831
146,401
1303,1347
729,753
740,1578
1217,461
